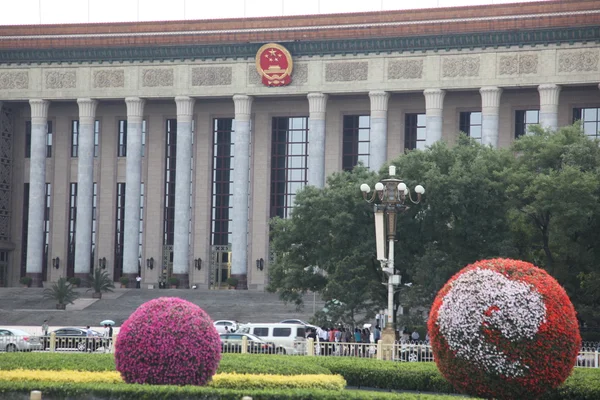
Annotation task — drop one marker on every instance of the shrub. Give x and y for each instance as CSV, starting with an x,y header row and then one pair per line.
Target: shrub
x,y
168,341
232,282
124,280
25,280
62,292
101,282
504,329
75,280
173,281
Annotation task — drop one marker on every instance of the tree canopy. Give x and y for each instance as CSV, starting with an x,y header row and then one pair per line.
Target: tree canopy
x,y
536,201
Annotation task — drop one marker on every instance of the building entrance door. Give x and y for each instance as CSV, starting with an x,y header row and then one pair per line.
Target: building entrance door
x,y
220,268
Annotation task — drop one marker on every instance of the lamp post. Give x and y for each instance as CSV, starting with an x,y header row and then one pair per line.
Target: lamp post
x,y
392,194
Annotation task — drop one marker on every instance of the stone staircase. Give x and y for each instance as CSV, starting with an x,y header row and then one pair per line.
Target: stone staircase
x,y
26,306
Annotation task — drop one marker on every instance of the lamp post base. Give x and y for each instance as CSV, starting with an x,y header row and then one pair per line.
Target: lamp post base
x,y
388,338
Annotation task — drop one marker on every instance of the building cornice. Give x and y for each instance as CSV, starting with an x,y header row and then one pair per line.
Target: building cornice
x,y
313,48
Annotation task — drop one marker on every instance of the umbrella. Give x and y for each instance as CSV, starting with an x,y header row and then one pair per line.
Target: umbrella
x,y
107,322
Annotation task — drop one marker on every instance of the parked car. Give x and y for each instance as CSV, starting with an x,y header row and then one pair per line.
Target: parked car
x,y
288,338
75,339
299,321
232,326
232,343
18,340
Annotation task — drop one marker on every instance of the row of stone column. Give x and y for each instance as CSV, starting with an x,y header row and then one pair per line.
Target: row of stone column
x,y
434,99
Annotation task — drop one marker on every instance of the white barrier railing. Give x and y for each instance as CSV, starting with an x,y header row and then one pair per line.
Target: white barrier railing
x,y
419,351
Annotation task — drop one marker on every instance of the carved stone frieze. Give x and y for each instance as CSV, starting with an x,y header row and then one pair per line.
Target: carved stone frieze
x,y
347,71
211,76
406,69
111,78
458,67
253,75
157,77
518,64
61,79
578,61
14,80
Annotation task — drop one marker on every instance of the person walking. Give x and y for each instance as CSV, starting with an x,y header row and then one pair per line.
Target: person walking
x,y
89,334
45,328
106,338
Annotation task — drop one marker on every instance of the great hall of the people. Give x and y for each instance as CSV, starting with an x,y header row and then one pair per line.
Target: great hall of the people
x,y
162,149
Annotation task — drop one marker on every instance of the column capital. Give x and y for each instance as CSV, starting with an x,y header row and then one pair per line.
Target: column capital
x,y
87,110
317,103
243,107
185,108
379,103
39,111
434,102
135,108
549,93
490,99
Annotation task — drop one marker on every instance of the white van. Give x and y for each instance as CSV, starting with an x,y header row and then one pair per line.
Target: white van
x,y
288,338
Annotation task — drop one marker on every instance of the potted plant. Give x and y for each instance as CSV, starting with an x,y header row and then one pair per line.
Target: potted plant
x,y
124,281
62,292
100,282
26,281
174,282
232,282
75,281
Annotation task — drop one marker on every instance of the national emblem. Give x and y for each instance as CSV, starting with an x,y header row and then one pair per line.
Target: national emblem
x,y
274,64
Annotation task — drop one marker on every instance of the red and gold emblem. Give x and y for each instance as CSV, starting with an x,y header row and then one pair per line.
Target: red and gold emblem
x,y
274,63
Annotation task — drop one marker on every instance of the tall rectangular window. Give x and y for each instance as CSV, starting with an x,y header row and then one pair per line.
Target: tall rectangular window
x,y
28,139
74,138
170,162
141,236
144,128
122,142
96,138
470,123
356,141
25,229
94,226
289,154
72,226
48,194
119,230
49,131
525,118
414,131
222,166
49,140
590,120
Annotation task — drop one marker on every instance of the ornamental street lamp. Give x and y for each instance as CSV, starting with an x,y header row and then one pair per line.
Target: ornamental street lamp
x,y
392,194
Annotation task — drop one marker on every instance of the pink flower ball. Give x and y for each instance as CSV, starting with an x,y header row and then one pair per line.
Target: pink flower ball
x,y
168,341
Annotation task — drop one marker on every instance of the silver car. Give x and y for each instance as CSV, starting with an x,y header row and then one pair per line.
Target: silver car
x,y
18,340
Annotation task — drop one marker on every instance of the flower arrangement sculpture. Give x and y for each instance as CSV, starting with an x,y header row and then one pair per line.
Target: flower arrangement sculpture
x,y
504,329
168,341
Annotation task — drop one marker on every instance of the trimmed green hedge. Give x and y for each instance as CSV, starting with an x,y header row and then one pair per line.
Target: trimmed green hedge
x,y
56,391
583,384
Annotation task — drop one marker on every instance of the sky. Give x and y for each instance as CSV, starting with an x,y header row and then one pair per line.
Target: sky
x,y
20,12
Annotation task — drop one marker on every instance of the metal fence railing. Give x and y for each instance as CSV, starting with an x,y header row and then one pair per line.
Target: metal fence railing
x,y
404,351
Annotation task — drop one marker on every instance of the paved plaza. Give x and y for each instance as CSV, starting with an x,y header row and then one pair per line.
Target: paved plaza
x,y
26,306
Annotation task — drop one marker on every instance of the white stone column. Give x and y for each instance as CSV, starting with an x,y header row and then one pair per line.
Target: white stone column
x,y
490,108
133,182
378,139
183,177
85,188
316,139
434,108
549,94
37,190
241,177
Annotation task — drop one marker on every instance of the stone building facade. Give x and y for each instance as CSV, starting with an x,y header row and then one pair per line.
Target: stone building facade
x,y
155,149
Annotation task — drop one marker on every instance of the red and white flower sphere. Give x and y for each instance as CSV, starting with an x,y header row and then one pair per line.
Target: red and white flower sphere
x,y
504,329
